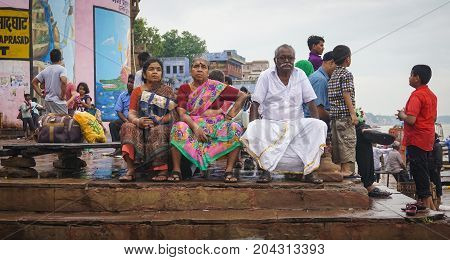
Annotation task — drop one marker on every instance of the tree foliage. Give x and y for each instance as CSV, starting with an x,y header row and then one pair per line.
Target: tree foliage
x,y
170,44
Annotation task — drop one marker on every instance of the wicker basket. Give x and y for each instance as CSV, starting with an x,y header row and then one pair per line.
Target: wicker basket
x,y
409,189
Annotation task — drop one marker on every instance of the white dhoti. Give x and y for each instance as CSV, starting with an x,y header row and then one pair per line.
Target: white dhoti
x,y
293,146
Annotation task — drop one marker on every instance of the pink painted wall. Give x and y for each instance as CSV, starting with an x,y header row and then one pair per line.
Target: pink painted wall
x,y
84,58
84,36
14,79
22,4
14,82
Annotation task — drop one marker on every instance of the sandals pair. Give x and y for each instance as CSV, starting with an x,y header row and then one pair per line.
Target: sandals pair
x,y
231,177
412,209
173,176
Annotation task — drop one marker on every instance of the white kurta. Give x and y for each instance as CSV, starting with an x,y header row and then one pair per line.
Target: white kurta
x,y
283,141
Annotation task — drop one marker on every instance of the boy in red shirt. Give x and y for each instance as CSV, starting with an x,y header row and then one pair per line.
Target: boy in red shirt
x,y
419,116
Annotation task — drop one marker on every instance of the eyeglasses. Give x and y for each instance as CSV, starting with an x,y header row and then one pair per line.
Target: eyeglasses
x,y
288,58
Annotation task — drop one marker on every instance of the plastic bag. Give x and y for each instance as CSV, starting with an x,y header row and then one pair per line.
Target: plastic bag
x,y
91,128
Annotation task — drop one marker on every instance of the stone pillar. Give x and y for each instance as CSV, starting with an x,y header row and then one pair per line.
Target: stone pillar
x,y
69,161
18,167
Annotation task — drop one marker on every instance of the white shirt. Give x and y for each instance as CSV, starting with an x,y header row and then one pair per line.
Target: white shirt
x,y
138,79
51,76
377,153
280,102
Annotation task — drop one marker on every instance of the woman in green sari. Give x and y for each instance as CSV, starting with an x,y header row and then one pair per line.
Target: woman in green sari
x,y
204,133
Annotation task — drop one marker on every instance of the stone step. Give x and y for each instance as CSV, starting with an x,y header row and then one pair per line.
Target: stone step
x,y
376,223
77,195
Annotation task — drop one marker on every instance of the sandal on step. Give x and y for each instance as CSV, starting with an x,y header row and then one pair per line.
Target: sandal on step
x,y
126,178
419,207
264,177
312,178
174,176
231,177
162,176
411,210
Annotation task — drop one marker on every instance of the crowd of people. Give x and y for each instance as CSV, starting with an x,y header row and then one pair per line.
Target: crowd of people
x,y
297,112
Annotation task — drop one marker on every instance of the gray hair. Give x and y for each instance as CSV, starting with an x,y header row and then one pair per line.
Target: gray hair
x,y
200,58
283,46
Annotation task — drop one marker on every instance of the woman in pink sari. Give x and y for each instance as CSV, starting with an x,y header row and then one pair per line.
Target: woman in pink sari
x,y
204,133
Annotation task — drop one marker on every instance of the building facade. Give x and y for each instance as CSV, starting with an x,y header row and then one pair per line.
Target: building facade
x,y
227,61
251,70
176,71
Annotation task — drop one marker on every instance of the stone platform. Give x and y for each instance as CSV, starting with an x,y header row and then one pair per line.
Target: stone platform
x,y
206,209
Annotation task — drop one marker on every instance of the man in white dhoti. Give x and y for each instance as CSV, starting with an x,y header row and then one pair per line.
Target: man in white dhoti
x,y
278,137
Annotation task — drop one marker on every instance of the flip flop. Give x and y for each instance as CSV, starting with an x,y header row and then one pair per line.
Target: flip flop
x,y
126,178
353,175
264,177
174,176
158,178
411,210
228,176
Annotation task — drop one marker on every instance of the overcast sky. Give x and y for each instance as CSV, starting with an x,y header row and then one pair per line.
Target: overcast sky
x,y
256,27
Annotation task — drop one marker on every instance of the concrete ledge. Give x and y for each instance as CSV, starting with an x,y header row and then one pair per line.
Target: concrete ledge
x,y
229,224
73,195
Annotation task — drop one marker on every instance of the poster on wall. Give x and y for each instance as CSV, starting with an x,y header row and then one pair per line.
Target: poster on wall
x,y
14,34
14,82
53,27
112,56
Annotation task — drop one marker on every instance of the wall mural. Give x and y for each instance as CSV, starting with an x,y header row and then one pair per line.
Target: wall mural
x,y
112,58
53,27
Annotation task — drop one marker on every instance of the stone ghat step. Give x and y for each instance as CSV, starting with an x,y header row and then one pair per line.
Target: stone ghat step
x,y
377,223
74,195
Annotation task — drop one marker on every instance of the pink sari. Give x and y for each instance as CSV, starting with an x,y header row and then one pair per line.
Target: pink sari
x,y
223,135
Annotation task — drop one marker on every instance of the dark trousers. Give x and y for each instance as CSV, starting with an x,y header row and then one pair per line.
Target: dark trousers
x,y
364,158
114,129
35,119
28,123
435,176
418,166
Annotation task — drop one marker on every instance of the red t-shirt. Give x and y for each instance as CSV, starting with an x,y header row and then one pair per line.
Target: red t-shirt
x,y
423,105
228,94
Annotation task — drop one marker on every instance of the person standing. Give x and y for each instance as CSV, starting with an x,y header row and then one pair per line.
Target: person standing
x,y
55,79
319,81
35,113
27,119
315,45
435,165
341,95
419,116
142,58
